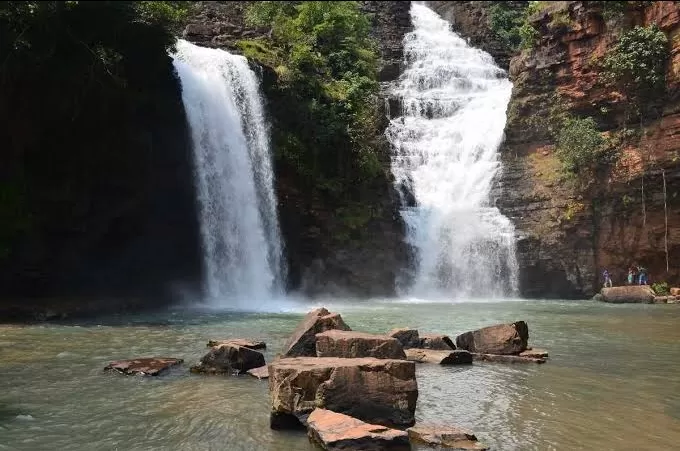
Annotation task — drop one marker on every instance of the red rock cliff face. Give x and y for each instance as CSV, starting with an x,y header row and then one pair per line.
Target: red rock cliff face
x,y
567,235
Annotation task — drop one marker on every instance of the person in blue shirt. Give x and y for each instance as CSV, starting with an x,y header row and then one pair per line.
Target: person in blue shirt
x,y
607,278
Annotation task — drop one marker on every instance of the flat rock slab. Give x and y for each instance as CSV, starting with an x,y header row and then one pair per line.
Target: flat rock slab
x,y
499,339
436,341
408,338
447,437
378,391
351,344
144,367
335,431
450,357
534,353
229,358
260,373
250,344
303,341
633,294
675,291
507,358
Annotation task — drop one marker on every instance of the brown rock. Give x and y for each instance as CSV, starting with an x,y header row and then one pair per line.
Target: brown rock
x,y
335,431
408,338
660,299
303,341
674,301
498,339
675,291
436,341
143,367
448,437
250,344
450,357
351,344
377,391
534,353
506,358
260,372
227,358
628,294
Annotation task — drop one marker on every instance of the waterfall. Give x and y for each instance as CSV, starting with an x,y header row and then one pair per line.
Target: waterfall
x,y
445,159
233,172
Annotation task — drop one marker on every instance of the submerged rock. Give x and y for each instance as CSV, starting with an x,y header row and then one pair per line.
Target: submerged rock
x,y
303,341
507,358
498,339
408,338
436,341
450,357
260,372
250,344
660,299
534,353
447,437
628,294
352,344
153,366
228,358
379,391
335,431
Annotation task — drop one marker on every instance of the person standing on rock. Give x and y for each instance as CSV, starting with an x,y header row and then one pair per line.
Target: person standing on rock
x,y
607,278
631,276
643,276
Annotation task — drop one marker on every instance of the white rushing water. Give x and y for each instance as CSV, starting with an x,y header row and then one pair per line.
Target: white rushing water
x,y
445,159
234,177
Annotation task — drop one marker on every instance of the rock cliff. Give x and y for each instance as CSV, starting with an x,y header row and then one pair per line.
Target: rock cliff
x,y
567,234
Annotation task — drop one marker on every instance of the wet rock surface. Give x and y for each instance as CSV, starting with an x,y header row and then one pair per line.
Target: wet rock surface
x,y
409,338
497,358
628,294
450,357
303,340
352,344
498,339
379,391
153,366
436,341
251,344
229,358
445,437
335,431
261,372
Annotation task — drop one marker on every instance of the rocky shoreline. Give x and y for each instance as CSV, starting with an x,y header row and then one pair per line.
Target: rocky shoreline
x,y
351,389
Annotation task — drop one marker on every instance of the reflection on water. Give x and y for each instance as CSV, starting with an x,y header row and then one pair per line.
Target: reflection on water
x,y
612,382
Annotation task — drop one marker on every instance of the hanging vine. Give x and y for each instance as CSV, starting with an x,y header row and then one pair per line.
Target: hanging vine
x,y
665,217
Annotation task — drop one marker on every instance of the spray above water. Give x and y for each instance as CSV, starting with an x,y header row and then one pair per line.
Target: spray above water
x,y
234,178
445,158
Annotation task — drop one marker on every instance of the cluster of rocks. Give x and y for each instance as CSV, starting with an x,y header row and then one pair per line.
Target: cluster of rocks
x,y
355,390
636,294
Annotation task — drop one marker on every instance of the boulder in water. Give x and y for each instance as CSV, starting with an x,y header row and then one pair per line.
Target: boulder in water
x,y
352,344
446,437
436,341
498,339
534,353
675,291
380,391
499,358
144,367
450,357
229,358
335,431
408,338
251,344
303,341
260,372
628,294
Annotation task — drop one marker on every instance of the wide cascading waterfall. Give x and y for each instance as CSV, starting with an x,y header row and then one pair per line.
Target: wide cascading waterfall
x,y
445,159
234,178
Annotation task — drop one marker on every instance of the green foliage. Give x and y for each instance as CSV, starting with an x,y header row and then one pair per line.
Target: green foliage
x,y
661,288
326,66
579,144
637,64
505,21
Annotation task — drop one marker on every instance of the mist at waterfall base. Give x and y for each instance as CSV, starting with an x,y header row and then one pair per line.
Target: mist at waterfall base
x,y
445,141
242,252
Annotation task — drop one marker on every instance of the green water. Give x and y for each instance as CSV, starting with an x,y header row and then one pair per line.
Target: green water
x,y
612,383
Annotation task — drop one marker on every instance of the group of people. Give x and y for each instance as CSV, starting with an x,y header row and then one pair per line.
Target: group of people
x,y
636,275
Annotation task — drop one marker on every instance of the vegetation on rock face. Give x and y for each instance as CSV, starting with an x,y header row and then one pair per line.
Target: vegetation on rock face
x,y
512,26
579,144
636,65
78,84
661,288
325,103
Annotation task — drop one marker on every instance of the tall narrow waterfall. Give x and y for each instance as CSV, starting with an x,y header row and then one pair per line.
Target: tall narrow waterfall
x,y
445,158
239,226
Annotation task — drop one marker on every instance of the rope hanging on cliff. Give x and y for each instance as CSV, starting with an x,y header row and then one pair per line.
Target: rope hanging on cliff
x,y
644,214
665,217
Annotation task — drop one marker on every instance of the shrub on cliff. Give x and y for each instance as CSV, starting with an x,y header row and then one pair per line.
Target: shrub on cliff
x,y
579,145
636,65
